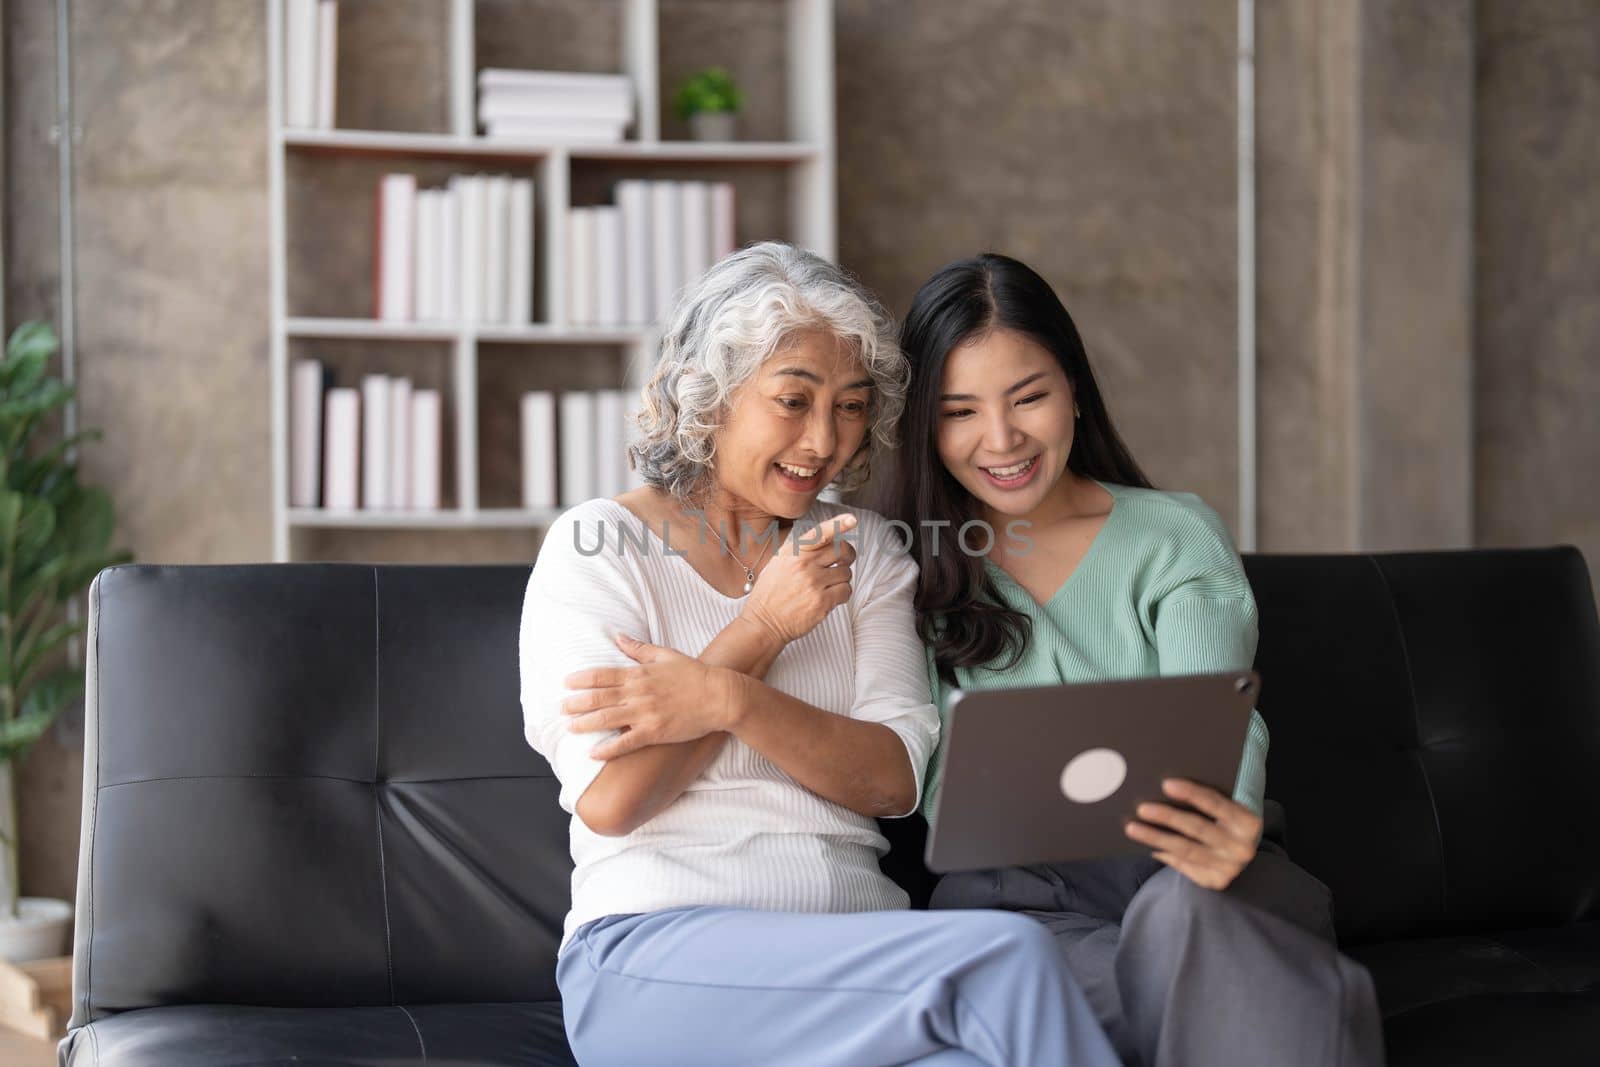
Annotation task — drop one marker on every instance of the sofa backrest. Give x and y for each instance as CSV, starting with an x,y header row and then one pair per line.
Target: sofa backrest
x,y
1435,724
308,785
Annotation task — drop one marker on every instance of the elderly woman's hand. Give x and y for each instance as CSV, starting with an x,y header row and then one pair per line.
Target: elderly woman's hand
x,y
668,698
808,576
1210,848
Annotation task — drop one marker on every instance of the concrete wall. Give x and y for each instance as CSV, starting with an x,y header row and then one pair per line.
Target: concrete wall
x,y
1429,244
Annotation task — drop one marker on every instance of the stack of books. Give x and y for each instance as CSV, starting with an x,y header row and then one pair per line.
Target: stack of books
x,y
548,105
459,254
375,448
628,260
588,447
310,63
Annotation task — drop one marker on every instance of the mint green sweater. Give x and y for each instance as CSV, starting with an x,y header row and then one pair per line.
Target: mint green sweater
x,y
1161,590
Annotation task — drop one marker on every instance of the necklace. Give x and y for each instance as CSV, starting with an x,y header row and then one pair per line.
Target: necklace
x,y
749,571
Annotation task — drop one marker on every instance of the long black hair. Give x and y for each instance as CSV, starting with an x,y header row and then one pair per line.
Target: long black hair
x,y
959,612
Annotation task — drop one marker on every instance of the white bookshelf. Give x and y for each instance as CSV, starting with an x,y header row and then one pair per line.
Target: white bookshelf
x,y
808,156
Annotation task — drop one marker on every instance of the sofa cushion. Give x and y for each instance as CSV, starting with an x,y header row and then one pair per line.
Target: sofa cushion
x,y
1475,998
201,1035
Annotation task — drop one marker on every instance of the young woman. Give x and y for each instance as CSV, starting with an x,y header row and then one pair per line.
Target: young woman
x,y
1213,948
728,704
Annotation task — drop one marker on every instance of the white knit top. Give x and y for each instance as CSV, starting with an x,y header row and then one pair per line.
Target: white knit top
x,y
744,834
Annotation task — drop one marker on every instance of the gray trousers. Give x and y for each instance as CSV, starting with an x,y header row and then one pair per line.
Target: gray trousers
x,y
1182,976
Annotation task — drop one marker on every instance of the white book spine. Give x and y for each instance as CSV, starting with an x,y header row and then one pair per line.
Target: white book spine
x,y
496,248
469,190
580,266
327,62
666,241
569,131
538,450
492,78
609,459
449,246
375,442
638,302
723,238
523,103
608,279
696,230
520,297
577,448
425,275
399,443
305,435
341,472
397,218
300,63
425,461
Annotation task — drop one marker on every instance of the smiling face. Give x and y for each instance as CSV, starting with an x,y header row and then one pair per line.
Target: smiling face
x,y
1006,422
793,427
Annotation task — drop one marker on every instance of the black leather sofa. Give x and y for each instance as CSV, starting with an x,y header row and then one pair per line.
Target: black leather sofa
x,y
312,831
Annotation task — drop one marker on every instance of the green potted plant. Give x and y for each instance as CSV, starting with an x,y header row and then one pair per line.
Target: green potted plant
x,y
54,537
710,101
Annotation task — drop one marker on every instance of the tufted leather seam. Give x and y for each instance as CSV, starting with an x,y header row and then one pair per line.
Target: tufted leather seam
x,y
377,801
1416,715
421,1044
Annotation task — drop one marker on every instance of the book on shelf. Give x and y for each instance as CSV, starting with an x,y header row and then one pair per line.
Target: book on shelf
x,y
497,208
577,449
554,105
394,254
609,464
375,442
310,63
400,442
426,430
538,450
425,281
520,268
638,302
609,275
463,253
666,247
341,474
695,227
327,62
580,266
497,78
308,380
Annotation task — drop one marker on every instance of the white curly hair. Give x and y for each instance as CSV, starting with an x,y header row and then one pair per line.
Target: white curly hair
x,y
725,325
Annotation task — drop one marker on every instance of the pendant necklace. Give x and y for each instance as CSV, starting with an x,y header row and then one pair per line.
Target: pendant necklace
x,y
749,571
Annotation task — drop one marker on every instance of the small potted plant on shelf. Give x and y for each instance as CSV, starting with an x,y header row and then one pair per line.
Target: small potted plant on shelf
x,y
54,535
710,101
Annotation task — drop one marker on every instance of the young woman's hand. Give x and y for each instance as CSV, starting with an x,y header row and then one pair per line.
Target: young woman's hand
x,y
1210,848
668,698
803,581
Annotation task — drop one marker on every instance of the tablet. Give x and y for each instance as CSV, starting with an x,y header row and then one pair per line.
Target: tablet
x,y
1053,773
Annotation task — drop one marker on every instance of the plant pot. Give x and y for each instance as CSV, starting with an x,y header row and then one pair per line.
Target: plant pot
x,y
42,931
714,125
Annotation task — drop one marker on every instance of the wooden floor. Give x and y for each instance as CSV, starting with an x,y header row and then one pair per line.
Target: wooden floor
x,y
18,1050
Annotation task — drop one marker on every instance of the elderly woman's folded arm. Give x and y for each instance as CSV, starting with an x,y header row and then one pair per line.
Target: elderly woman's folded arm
x,y
634,788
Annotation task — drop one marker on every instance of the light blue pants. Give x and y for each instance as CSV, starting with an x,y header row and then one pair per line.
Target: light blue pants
x,y
727,986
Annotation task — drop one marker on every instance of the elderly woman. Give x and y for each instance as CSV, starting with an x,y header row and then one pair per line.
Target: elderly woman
x,y
725,675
